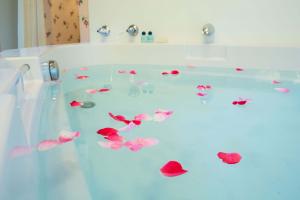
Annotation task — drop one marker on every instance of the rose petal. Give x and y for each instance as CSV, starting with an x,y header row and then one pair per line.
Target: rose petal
x,y
139,143
283,90
122,71
239,69
201,94
108,131
165,73
143,117
114,138
230,158
275,82
129,127
76,103
91,91
161,115
47,145
80,77
20,151
172,168
67,136
104,90
84,68
174,72
115,145
133,72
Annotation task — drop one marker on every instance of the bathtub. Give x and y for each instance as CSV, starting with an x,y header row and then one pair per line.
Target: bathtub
x,y
24,106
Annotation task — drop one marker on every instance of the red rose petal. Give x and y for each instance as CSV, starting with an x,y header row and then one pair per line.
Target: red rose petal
x,y
82,77
243,102
172,168
165,73
75,104
174,72
104,90
234,102
107,132
133,72
239,69
230,158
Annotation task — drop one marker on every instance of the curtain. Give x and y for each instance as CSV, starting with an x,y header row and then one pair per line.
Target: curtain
x,y
32,25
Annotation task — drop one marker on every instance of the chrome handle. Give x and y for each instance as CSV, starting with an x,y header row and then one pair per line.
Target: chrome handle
x,y
104,31
208,29
133,30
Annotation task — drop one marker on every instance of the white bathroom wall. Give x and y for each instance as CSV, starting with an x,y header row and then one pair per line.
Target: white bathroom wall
x,y
237,22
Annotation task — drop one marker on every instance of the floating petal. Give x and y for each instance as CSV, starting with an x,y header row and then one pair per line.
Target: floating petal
x,y
115,145
202,94
143,117
76,104
84,68
80,77
104,90
230,158
172,168
91,91
108,131
275,82
122,71
20,151
175,72
283,90
139,143
47,145
133,72
129,127
67,136
239,69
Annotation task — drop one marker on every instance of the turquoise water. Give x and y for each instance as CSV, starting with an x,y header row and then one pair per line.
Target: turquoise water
x,y
265,131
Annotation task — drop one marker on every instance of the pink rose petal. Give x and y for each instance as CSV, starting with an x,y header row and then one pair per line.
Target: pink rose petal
x,y
161,115
139,143
283,90
20,151
91,91
201,94
47,145
84,68
122,71
67,136
275,82
143,117
128,127
115,145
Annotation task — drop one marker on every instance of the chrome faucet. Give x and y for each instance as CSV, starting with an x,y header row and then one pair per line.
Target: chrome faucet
x,y
104,31
133,30
208,29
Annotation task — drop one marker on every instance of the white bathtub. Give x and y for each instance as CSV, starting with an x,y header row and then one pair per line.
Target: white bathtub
x,y
70,56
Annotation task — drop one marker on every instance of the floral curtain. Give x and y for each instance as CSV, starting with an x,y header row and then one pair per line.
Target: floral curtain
x,y
64,21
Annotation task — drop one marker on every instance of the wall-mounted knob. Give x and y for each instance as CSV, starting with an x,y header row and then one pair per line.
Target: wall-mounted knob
x,y
104,31
208,29
133,30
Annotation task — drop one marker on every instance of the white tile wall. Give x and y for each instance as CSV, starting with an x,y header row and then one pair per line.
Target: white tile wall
x,y
246,22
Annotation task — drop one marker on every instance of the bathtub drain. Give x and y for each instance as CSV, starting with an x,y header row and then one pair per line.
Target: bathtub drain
x,y
88,104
